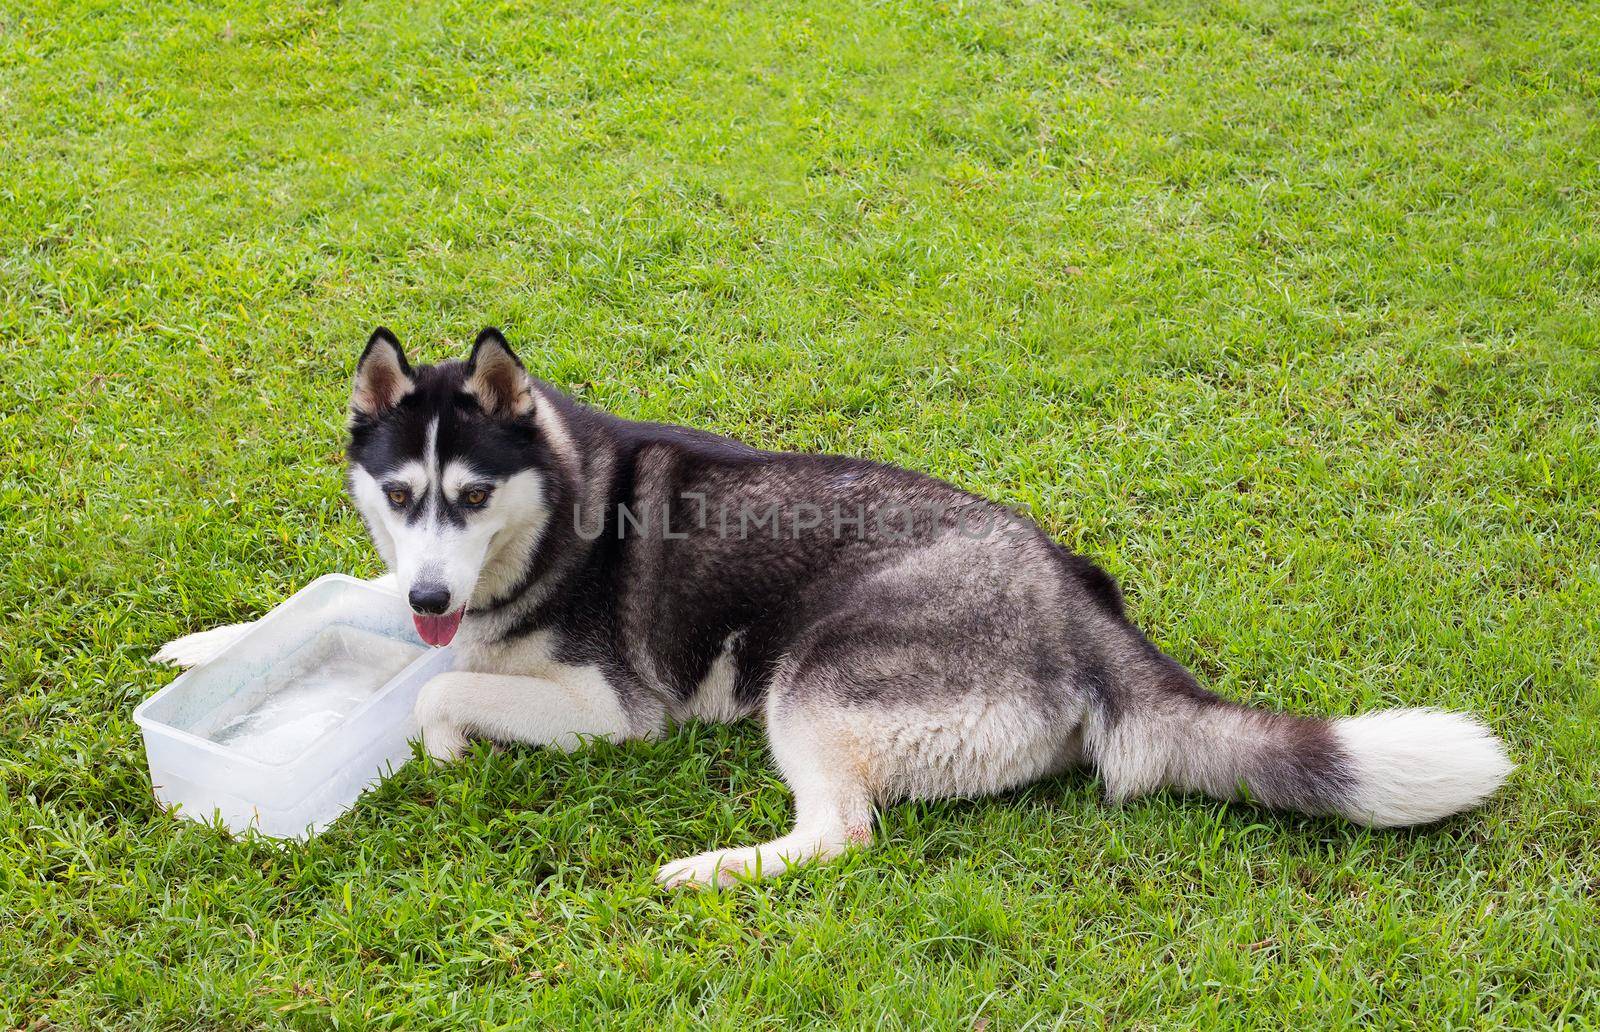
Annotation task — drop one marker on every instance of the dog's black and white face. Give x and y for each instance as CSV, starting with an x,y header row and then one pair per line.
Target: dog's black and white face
x,y
445,472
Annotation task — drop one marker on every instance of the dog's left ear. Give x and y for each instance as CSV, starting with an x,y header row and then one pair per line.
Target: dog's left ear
x,y
496,378
383,377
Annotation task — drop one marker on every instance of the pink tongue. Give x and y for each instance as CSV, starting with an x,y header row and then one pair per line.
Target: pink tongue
x,y
438,630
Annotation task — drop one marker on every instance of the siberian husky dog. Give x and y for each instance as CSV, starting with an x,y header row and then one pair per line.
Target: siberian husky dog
x,y
899,638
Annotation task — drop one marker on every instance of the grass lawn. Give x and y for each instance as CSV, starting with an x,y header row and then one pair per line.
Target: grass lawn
x,y
1286,313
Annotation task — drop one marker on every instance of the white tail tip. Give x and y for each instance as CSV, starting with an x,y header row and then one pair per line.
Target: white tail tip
x,y
1413,766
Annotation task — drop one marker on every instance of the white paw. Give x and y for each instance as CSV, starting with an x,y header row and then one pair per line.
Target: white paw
x,y
442,737
443,741
720,868
708,870
194,649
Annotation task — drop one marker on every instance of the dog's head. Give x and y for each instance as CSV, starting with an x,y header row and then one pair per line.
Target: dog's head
x,y
445,470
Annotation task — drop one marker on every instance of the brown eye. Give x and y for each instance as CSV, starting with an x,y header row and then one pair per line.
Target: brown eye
x,y
399,497
475,497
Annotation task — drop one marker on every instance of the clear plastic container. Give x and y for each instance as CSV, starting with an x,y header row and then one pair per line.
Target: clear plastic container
x,y
284,728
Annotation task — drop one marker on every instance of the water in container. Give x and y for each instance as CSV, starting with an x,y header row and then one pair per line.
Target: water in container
x,y
310,692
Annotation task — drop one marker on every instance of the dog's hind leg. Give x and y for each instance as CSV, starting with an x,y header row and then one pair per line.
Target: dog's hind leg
x,y
833,811
849,736
900,694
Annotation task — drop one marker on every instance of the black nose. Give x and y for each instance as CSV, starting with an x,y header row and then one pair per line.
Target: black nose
x,y
429,598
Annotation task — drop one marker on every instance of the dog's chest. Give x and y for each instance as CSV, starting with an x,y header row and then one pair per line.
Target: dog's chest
x,y
528,655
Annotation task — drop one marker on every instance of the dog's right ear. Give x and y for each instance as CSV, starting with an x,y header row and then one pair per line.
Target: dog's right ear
x,y
496,378
383,376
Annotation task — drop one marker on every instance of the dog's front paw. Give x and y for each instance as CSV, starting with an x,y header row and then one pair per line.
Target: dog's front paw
x,y
194,649
443,741
442,737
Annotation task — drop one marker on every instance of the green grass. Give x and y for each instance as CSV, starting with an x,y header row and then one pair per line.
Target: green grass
x,y
1286,313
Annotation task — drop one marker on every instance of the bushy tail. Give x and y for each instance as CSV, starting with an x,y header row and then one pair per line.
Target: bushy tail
x,y
1384,769
1413,766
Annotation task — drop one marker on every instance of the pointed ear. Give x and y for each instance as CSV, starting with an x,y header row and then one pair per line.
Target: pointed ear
x,y
383,376
496,378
